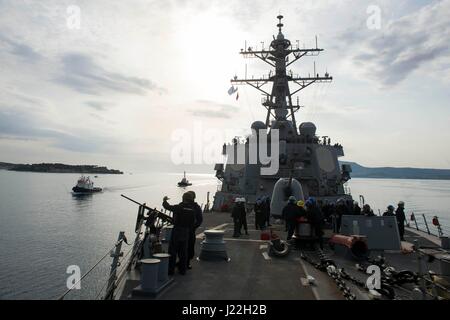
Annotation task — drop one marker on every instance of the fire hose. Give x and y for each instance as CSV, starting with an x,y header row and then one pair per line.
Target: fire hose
x,y
356,245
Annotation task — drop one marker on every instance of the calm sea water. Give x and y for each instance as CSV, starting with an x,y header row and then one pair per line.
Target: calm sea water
x,y
44,229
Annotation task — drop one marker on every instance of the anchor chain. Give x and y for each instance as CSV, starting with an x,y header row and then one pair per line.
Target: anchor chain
x,y
327,265
390,275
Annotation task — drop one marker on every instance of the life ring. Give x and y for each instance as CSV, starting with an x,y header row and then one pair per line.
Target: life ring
x,y
279,248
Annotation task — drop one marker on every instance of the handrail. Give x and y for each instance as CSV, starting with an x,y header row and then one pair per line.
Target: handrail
x,y
438,230
426,224
89,271
109,287
154,218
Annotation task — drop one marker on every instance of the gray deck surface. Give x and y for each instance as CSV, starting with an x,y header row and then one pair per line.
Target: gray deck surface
x,y
253,275
248,275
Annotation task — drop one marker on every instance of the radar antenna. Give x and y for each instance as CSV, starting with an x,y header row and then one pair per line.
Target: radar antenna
x,y
278,101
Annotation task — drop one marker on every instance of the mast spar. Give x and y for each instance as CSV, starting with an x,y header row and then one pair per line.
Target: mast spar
x,y
278,102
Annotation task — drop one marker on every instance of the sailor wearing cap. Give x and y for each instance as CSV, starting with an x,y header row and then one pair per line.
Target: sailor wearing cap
x,y
290,214
192,236
389,212
183,223
239,215
401,218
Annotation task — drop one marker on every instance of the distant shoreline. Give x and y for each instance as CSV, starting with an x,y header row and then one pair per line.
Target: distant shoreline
x,y
58,168
359,171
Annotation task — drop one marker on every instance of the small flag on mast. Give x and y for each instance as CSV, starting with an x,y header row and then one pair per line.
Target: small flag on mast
x,y
232,90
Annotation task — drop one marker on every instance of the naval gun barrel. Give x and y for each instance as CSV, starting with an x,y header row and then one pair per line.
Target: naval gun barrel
x,y
153,213
124,196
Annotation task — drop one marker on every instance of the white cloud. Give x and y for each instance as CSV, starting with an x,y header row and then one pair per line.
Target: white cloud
x,y
404,45
82,74
100,89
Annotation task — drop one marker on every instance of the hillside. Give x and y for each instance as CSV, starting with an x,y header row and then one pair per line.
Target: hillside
x,y
58,168
359,171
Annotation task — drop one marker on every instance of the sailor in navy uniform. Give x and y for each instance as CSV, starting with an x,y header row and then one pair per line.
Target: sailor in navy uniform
x,y
183,223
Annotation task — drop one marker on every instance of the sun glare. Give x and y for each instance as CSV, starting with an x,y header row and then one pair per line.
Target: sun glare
x,y
208,45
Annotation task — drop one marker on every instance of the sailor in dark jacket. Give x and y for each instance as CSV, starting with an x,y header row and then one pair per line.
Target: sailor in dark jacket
x,y
356,209
259,214
198,222
341,209
389,212
183,223
290,214
367,211
266,208
401,218
236,215
239,217
316,217
301,207
243,217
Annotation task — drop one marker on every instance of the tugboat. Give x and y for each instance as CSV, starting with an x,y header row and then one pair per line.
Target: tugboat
x,y
85,185
184,182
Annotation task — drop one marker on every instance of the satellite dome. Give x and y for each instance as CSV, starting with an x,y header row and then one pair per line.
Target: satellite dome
x,y
282,124
258,125
307,129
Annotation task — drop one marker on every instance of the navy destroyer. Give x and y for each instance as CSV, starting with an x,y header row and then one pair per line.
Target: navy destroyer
x,y
261,265
303,156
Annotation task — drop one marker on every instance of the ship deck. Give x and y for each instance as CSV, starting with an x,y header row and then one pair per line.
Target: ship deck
x,y
251,274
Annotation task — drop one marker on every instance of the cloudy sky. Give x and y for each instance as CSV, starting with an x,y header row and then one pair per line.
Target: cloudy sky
x,y
114,89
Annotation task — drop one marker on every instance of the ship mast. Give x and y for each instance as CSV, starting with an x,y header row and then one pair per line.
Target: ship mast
x,y
278,102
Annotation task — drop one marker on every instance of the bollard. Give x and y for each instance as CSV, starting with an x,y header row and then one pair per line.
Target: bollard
x,y
167,234
213,247
149,275
163,270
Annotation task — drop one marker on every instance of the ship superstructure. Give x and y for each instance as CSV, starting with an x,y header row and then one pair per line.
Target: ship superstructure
x,y
304,156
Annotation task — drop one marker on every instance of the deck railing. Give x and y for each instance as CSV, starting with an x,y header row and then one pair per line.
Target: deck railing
x,y
94,284
431,226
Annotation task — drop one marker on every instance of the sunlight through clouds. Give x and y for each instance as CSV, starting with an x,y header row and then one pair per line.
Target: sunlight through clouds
x,y
135,71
